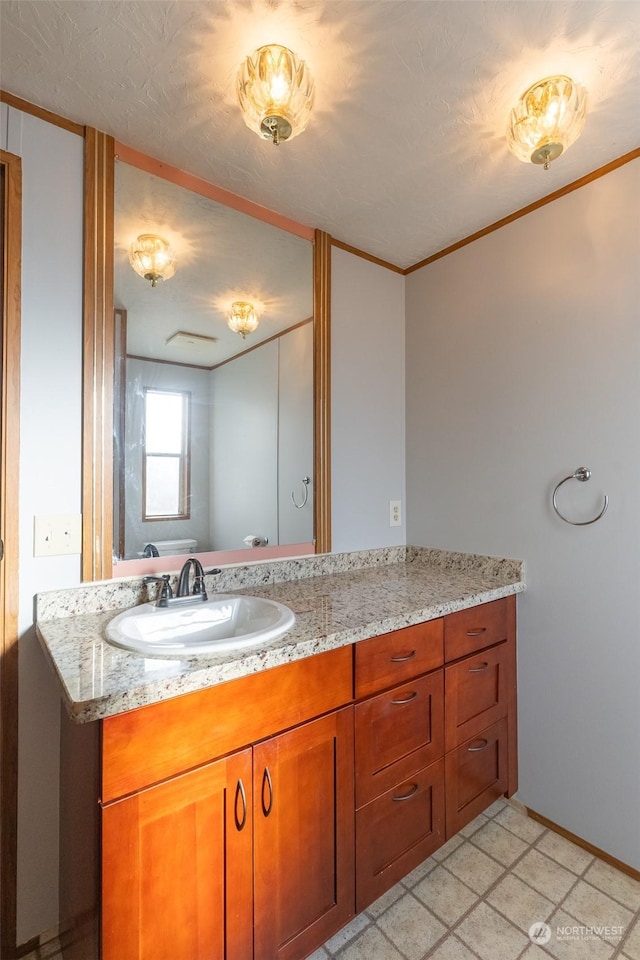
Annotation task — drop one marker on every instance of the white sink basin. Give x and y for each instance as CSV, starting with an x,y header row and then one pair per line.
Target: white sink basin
x,y
223,623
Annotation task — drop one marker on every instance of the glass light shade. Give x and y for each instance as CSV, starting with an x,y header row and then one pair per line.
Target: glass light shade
x,y
151,258
547,119
275,92
243,318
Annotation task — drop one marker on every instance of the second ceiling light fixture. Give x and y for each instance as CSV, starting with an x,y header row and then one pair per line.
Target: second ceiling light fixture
x,y
547,119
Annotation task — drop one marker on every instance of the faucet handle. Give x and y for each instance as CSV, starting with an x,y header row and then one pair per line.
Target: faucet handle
x,y
198,581
165,593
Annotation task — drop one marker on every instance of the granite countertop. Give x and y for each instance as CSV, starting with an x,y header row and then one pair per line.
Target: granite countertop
x,y
337,599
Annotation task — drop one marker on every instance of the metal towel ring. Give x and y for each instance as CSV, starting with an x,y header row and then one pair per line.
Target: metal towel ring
x,y
582,474
306,481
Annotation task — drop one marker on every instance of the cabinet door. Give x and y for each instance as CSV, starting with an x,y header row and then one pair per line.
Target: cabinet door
x,y
177,870
303,837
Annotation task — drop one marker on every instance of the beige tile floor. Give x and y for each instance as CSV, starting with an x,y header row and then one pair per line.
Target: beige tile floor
x,y
478,897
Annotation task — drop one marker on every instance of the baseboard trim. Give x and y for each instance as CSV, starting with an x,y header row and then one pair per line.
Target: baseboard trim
x,y
579,842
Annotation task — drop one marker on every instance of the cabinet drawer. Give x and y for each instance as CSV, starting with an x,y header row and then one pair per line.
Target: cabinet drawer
x,y
475,775
397,656
397,733
475,628
397,831
148,745
477,693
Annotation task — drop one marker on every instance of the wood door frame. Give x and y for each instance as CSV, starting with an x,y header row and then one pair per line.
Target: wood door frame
x,y
9,487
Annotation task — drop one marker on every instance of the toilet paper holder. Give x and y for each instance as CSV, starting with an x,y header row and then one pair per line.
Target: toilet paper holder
x,y
254,541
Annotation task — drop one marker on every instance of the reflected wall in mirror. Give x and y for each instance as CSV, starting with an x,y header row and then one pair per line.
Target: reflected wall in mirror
x,y
234,468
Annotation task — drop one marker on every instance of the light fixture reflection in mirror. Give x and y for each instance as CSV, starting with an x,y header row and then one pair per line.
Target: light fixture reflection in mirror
x,y
242,318
151,258
249,430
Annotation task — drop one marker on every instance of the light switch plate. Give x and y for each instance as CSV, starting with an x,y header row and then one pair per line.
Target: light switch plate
x,y
56,535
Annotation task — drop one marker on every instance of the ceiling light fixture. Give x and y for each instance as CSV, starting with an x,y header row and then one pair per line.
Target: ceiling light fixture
x,y
151,258
275,92
243,318
547,119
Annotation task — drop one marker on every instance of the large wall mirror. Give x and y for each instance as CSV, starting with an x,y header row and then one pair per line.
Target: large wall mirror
x,y
219,439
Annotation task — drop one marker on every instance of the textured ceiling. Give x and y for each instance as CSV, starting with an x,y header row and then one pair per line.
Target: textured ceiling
x,y
405,152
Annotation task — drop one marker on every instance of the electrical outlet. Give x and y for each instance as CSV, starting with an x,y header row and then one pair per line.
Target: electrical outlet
x,y
55,535
395,513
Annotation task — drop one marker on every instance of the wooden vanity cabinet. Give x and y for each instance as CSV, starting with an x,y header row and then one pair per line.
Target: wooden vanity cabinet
x,y
252,820
248,855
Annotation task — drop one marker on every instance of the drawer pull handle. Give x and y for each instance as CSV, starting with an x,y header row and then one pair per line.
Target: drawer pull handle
x,y
477,632
410,696
266,782
240,794
482,745
406,796
479,668
406,656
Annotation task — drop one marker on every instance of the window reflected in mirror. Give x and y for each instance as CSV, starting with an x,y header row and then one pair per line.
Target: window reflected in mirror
x,y
166,458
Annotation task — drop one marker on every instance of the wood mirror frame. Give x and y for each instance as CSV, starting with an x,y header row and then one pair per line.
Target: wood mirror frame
x,y
98,368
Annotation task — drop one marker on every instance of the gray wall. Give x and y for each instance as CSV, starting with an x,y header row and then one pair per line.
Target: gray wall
x,y
295,434
262,443
244,449
523,360
367,402
50,473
